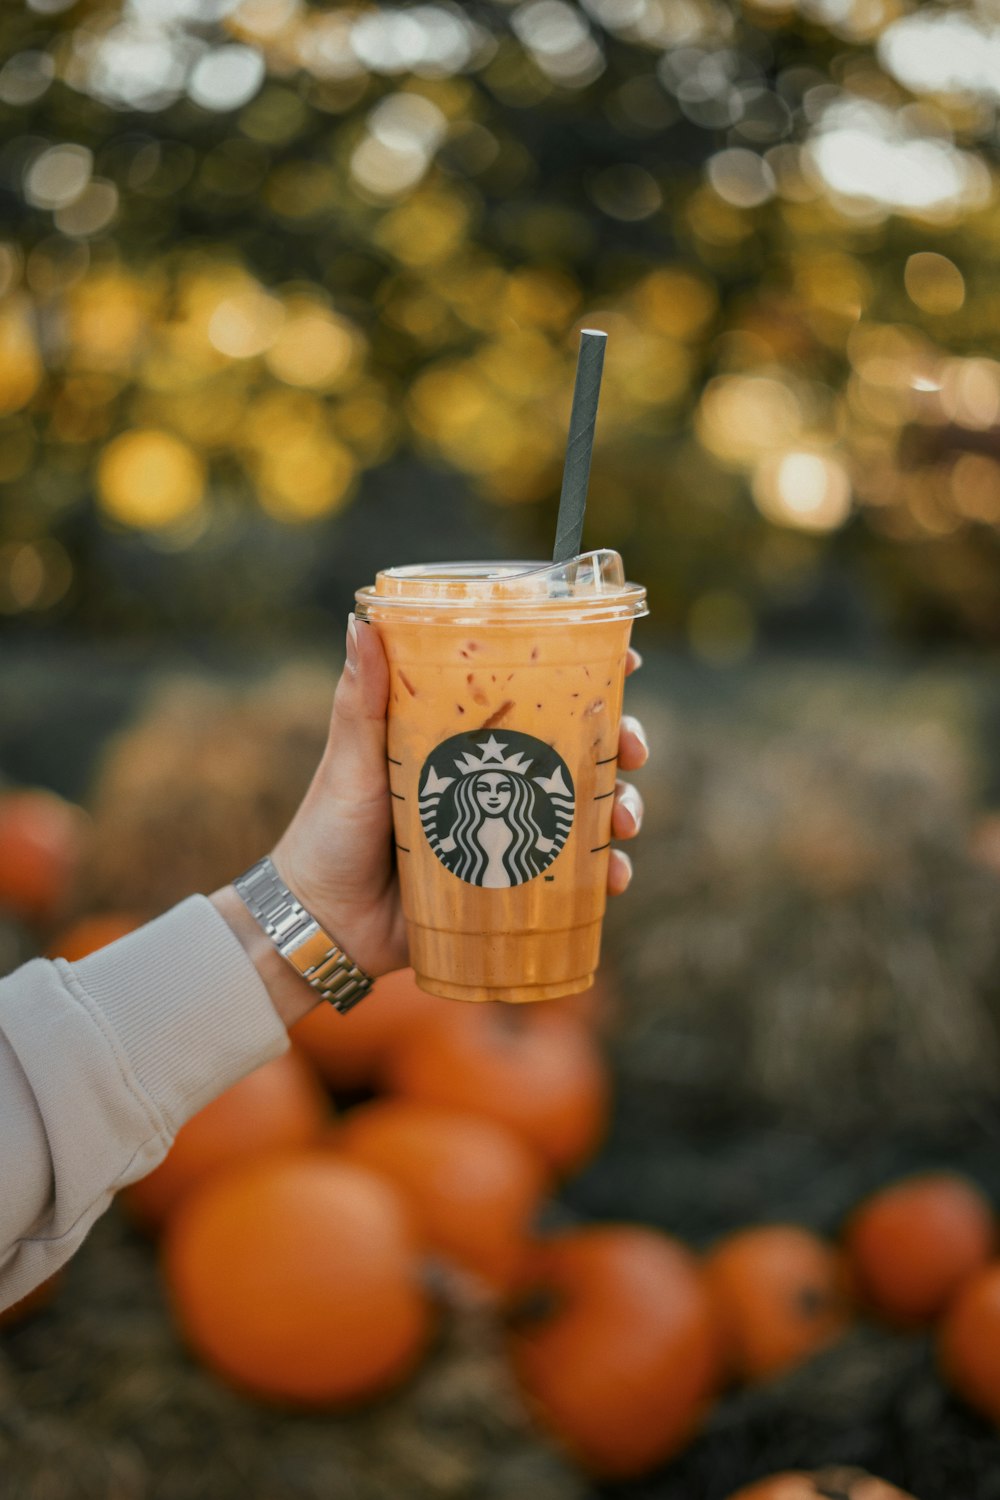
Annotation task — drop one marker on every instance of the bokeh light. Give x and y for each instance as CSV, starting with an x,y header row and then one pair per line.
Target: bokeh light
x,y
934,283
312,347
741,177
58,176
150,480
226,77
289,244
873,157
941,51
34,576
246,323
742,416
810,491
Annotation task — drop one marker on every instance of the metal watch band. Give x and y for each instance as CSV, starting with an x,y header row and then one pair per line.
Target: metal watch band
x,y
299,938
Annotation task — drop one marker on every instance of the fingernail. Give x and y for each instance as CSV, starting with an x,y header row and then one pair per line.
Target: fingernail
x,y
629,802
352,643
634,727
636,656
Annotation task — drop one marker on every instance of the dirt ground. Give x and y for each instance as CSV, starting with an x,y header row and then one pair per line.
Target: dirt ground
x,y
809,974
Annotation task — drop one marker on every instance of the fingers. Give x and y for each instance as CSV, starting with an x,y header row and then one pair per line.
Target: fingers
x,y
619,872
627,811
355,751
633,661
626,815
633,749
363,689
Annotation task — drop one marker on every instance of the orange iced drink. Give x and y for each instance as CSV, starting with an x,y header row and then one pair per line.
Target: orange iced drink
x,y
505,698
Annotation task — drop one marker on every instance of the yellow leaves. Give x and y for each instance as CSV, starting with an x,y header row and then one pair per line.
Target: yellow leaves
x,y
150,479
741,417
469,413
675,302
108,317
832,282
934,283
455,97
366,423
538,298
215,363
20,362
717,225
207,418
427,228
475,291
654,372
528,472
302,472
33,575
314,348
808,490
447,399
308,480
83,409
521,365
246,322
501,413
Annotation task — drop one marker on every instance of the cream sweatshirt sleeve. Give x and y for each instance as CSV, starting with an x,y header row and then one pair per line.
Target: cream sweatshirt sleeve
x,y
102,1061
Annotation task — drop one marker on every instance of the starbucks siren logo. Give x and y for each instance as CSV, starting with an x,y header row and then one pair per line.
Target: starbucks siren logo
x,y
496,812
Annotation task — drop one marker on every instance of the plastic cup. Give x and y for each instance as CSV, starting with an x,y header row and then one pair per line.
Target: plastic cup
x,y
504,704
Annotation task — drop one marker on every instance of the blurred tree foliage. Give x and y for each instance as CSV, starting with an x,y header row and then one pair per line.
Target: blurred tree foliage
x,y
256,249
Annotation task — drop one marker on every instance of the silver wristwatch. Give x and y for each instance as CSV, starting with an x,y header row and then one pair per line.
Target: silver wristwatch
x,y
300,939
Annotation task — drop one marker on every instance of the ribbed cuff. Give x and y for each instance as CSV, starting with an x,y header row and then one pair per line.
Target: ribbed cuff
x,y
185,1002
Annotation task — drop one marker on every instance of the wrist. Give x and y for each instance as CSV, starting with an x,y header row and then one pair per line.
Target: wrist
x,y
356,922
290,994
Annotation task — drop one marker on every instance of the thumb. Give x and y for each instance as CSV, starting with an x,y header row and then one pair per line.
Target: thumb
x,y
354,759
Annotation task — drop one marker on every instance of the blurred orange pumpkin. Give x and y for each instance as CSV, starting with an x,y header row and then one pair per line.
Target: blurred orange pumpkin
x,y
781,1296
41,842
278,1105
620,1358
969,1341
912,1244
296,1278
86,936
595,1007
350,1050
538,1071
472,1184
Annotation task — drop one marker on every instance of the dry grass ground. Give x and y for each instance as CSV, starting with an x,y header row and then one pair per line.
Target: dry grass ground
x,y
809,998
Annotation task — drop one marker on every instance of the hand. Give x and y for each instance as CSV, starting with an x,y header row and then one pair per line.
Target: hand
x,y
337,853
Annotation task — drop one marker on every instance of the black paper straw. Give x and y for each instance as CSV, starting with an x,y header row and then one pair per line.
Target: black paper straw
x,y
580,445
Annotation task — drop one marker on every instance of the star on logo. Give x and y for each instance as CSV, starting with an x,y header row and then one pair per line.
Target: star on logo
x,y
492,750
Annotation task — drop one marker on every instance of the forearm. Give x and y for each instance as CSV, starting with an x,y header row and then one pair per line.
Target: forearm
x,y
105,1059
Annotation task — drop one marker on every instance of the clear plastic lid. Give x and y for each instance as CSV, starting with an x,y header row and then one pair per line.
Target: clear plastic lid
x,y
592,584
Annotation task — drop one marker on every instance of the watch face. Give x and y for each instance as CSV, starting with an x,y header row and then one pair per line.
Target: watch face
x,y
496,809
